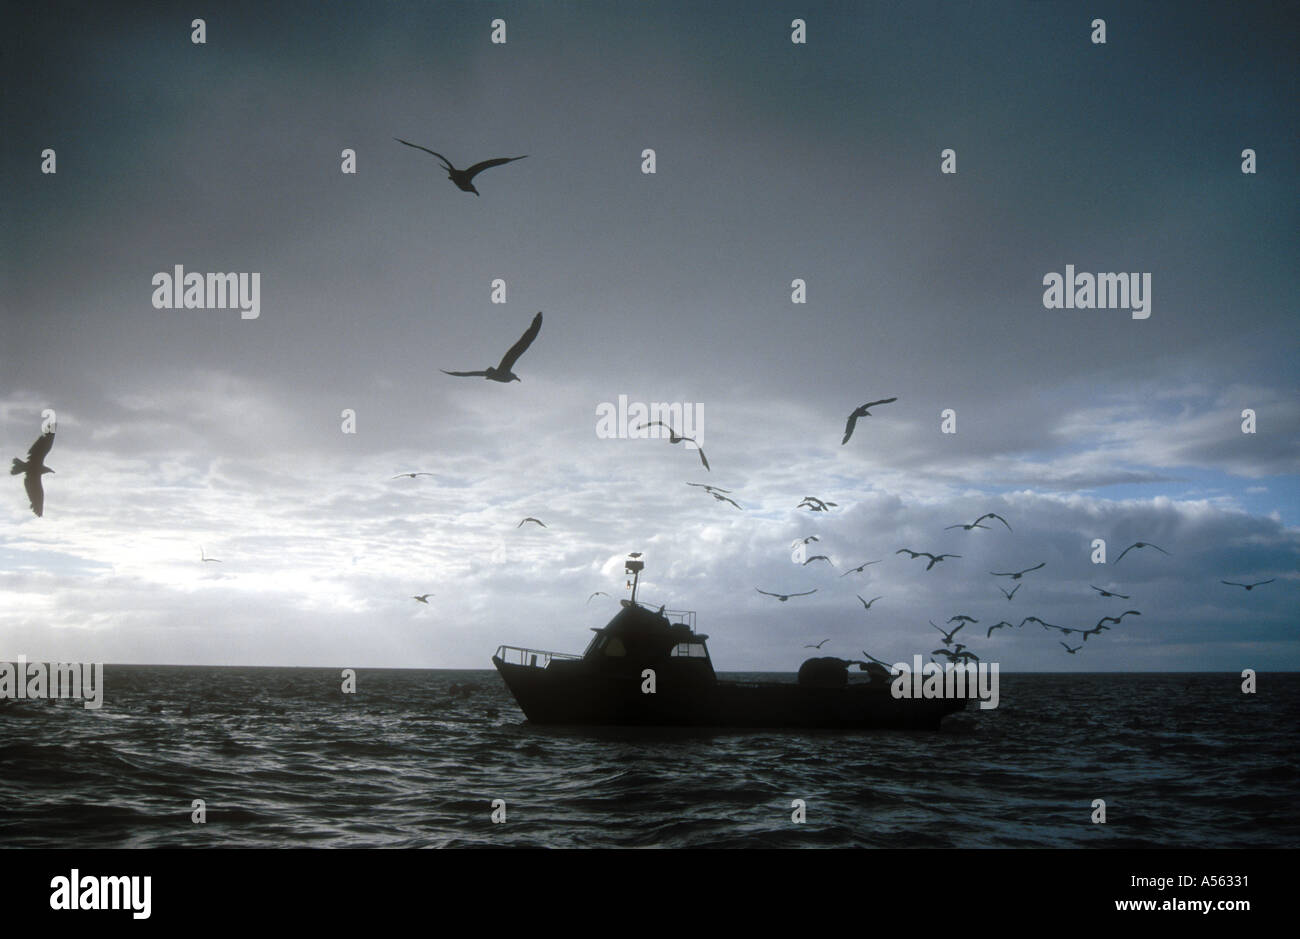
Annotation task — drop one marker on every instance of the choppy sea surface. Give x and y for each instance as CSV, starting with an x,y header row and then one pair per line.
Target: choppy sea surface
x,y
281,757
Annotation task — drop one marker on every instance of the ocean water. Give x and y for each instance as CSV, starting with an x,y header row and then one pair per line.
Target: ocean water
x,y
282,758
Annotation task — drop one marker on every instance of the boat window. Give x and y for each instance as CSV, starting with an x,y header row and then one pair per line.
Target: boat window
x,y
614,647
694,650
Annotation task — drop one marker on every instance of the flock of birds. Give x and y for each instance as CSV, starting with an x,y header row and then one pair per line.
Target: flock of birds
x,y
33,469
951,649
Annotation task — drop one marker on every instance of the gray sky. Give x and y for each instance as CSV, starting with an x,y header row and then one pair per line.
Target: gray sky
x,y
775,161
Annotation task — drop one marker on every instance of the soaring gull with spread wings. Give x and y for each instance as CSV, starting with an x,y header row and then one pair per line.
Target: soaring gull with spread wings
x,y
33,469
502,372
464,179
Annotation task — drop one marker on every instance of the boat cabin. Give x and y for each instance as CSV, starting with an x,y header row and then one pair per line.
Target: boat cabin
x,y
638,638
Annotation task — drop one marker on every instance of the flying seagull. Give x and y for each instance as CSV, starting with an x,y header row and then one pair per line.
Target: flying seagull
x,y
598,593
934,558
34,469
1035,619
955,656
674,437
815,504
806,540
858,569
423,598
1116,619
976,523
989,634
1018,574
462,178
947,636
634,554
1260,583
1139,544
411,475
962,618
819,645
1013,591
719,497
866,604
819,557
878,661
502,372
861,412
531,519
1068,649
1107,593
786,596
204,557
711,489
1064,630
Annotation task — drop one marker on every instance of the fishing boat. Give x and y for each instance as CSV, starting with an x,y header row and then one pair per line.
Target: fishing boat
x,y
649,667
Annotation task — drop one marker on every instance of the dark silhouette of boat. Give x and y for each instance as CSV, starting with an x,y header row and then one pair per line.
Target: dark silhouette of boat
x,y
642,649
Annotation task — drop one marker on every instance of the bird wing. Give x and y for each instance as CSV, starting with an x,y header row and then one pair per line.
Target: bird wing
x,y
41,447
445,161
1035,567
804,594
872,404
1124,552
848,427
463,375
35,493
519,348
765,593
994,515
1263,582
487,164
1157,547
700,450
1231,583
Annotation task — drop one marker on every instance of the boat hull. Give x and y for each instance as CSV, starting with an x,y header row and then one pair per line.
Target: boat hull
x,y
576,696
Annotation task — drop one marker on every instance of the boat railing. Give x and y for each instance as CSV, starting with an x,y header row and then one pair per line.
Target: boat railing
x,y
533,658
678,617
682,617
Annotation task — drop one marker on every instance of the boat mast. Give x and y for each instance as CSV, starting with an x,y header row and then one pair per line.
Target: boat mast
x,y
634,567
